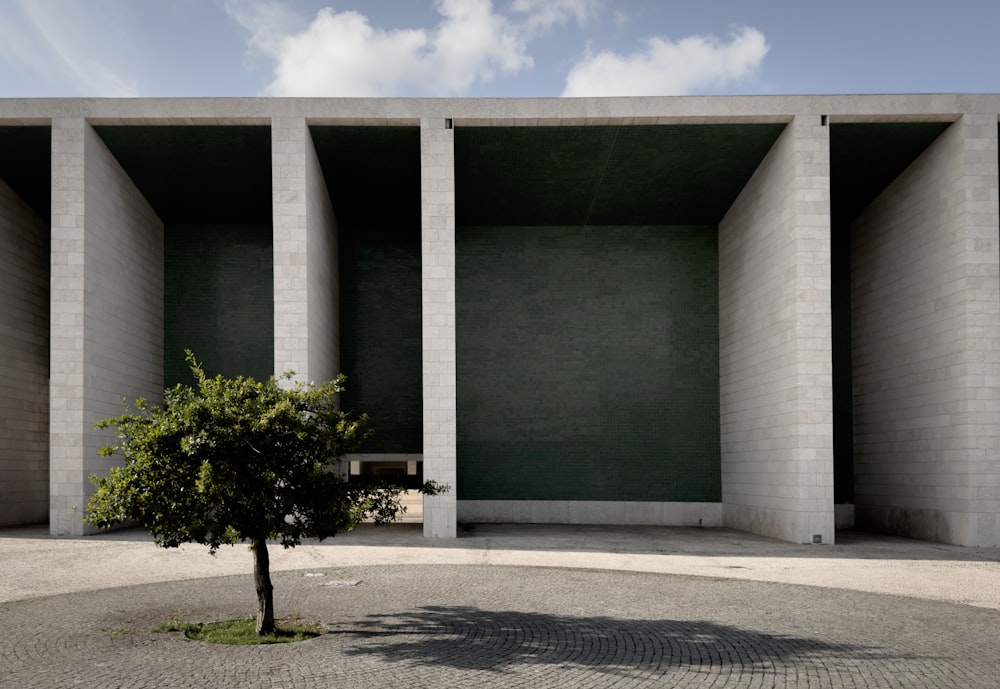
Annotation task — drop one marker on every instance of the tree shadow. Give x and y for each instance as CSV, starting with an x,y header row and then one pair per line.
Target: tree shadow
x,y
468,638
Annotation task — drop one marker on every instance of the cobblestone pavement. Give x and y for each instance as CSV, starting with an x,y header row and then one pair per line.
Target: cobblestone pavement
x,y
474,626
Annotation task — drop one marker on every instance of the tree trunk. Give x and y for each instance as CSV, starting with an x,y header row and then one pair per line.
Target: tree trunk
x,y
262,580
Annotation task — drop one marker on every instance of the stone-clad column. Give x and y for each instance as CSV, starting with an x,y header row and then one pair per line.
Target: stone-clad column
x,y
437,161
106,311
68,288
775,349
306,297
982,329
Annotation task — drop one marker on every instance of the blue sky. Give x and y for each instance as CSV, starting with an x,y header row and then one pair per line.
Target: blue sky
x,y
501,48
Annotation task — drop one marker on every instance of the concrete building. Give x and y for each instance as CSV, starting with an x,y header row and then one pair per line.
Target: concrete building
x,y
778,314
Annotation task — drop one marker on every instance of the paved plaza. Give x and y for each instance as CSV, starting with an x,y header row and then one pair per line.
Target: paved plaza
x,y
510,606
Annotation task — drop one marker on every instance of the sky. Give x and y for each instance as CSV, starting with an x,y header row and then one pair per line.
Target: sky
x,y
495,48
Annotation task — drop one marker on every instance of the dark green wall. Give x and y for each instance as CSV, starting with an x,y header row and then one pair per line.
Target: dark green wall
x,y
588,363
380,333
218,300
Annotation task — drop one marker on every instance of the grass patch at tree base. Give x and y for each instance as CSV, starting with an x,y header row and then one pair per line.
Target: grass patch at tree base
x,y
244,632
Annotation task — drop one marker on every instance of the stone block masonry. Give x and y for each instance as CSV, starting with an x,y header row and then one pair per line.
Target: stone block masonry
x,y
107,310
775,343
437,184
305,258
926,344
24,342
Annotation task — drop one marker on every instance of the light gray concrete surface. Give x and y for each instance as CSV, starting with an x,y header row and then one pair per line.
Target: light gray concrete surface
x,y
501,111
36,564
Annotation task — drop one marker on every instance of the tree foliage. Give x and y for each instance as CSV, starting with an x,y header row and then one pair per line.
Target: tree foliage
x,y
237,460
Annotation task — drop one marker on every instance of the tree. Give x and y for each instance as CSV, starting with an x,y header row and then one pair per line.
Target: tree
x,y
237,460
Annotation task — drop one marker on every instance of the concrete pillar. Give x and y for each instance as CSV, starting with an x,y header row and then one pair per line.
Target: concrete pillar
x,y
24,377
437,161
106,311
306,294
775,343
926,344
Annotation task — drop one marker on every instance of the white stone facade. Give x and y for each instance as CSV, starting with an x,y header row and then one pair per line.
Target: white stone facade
x,y
305,258
106,311
925,300
776,378
927,342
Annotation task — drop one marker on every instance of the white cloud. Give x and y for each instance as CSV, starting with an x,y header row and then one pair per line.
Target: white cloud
x,y
621,18
268,21
542,15
342,54
666,68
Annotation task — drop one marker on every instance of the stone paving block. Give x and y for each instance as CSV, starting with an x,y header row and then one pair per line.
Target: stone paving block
x,y
476,626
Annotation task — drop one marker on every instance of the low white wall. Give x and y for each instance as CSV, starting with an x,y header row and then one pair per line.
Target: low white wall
x,y
590,512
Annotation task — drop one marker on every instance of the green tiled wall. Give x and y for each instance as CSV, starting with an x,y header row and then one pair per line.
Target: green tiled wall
x,y
380,335
588,363
218,300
